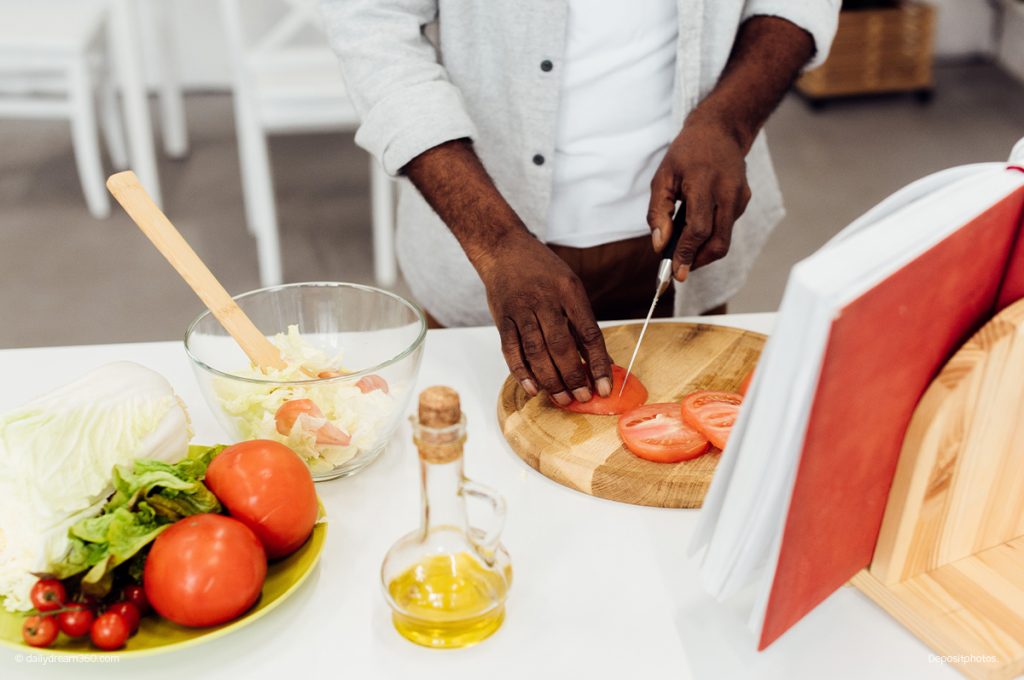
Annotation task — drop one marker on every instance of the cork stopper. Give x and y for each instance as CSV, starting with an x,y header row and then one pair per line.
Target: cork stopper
x,y
440,430
439,407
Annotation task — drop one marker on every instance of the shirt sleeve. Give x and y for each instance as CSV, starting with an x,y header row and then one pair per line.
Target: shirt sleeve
x,y
396,83
820,18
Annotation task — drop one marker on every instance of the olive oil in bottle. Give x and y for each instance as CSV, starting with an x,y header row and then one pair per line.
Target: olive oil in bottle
x,y
446,583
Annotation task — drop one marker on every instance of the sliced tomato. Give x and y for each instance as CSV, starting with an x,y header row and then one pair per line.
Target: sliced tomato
x,y
657,433
369,383
327,434
634,395
712,413
366,384
745,385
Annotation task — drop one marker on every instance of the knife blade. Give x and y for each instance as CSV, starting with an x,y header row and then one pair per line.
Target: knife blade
x,y
662,284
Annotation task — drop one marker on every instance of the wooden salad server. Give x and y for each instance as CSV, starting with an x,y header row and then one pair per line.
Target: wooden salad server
x,y
129,192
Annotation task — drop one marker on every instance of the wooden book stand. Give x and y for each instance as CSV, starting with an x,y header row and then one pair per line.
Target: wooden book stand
x,y
949,563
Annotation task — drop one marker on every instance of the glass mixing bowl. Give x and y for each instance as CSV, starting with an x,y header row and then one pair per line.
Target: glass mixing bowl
x,y
352,370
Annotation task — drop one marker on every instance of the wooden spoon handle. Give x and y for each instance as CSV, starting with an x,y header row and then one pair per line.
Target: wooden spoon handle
x,y
129,192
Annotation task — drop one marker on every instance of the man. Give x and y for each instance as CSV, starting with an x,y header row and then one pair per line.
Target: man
x,y
551,141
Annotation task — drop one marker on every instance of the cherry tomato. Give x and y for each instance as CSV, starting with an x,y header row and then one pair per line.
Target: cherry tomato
x,y
129,612
48,594
264,485
712,413
745,385
77,620
634,395
204,570
110,631
369,383
136,594
39,631
327,434
657,433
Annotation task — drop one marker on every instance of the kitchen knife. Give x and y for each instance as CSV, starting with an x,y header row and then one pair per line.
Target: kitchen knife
x,y
663,282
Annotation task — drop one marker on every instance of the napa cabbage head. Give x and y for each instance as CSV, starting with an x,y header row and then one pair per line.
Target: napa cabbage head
x,y
57,454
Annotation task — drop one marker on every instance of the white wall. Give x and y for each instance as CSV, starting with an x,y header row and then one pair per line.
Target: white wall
x,y
964,28
199,45
1011,48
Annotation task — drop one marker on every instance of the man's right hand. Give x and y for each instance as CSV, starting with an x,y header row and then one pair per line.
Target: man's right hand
x,y
539,305
545,321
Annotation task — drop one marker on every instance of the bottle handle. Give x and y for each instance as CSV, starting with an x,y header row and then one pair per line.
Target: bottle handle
x,y
486,545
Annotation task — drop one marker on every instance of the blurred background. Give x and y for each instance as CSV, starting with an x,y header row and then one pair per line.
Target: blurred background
x,y
233,114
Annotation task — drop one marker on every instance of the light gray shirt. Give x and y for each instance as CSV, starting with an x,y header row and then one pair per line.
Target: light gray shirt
x,y
482,78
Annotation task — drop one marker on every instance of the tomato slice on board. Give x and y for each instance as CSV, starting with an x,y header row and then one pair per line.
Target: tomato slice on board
x,y
745,385
634,395
713,413
656,432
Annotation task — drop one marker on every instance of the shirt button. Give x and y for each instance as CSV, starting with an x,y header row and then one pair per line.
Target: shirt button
x,y
538,159
546,65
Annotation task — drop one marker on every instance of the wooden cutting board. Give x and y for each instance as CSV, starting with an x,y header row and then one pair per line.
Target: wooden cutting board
x,y
584,452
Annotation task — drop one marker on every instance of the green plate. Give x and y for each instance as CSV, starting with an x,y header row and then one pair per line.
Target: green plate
x,y
157,634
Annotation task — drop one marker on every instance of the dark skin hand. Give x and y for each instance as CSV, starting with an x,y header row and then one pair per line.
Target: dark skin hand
x,y
540,307
705,166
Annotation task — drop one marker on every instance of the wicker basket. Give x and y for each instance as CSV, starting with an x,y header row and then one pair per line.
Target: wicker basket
x,y
877,50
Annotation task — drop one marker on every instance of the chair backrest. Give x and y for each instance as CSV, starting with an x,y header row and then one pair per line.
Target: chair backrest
x,y
262,31
284,67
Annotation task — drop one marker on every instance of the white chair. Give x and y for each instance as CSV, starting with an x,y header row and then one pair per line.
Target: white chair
x,y
287,80
53,62
157,26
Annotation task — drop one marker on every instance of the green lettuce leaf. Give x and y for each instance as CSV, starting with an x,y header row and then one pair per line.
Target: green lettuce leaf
x,y
173,490
99,544
149,496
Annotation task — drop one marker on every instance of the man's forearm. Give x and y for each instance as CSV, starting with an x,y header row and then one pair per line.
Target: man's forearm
x,y
766,58
455,184
539,305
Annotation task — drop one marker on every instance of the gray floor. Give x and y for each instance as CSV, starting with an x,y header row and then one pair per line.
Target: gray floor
x,y
69,279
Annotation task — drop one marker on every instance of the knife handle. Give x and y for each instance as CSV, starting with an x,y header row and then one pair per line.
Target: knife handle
x,y
678,222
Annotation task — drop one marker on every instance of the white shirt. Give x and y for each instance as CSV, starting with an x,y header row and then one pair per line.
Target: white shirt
x,y
614,121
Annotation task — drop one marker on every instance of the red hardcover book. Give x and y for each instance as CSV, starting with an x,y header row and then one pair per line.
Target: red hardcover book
x,y
883,349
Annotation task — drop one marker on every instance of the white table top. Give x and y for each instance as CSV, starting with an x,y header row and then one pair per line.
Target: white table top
x,y
602,589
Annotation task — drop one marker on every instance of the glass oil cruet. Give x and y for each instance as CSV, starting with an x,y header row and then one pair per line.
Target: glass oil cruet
x,y
446,582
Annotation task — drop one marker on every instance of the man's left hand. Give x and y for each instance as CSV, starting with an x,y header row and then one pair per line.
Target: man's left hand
x,y
705,168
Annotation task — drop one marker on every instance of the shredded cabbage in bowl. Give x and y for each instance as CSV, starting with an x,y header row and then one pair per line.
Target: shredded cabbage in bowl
x,y
362,415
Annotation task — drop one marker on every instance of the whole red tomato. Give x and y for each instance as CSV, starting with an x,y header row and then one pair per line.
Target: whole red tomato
x,y
48,594
129,612
265,485
110,631
135,594
76,620
204,570
39,631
